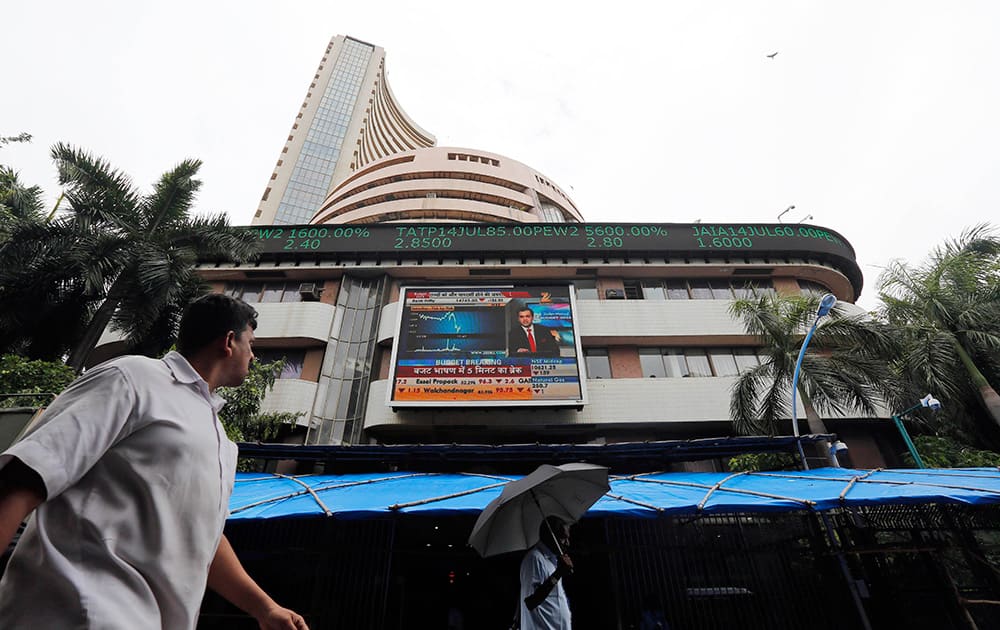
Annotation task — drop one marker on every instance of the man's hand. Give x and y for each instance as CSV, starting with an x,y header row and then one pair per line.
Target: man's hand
x,y
564,566
279,618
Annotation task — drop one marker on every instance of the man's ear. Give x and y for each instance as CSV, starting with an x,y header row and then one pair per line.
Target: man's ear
x,y
228,342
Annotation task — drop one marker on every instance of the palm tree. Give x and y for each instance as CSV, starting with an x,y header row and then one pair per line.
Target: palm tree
x,y
127,257
947,313
845,368
18,202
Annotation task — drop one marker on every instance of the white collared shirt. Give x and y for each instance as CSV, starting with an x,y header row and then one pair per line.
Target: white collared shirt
x,y
138,471
553,613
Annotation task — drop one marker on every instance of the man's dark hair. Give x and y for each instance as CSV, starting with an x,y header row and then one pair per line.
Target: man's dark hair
x,y
210,317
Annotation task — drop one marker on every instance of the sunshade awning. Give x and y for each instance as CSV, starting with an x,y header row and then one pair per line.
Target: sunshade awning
x,y
367,495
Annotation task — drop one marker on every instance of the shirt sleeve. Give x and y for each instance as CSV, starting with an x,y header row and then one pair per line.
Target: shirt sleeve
x,y
77,429
534,571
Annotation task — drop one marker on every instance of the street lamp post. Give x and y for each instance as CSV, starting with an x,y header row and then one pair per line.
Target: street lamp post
x,y
927,401
826,303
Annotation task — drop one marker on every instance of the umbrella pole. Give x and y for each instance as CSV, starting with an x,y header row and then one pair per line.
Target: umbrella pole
x,y
559,550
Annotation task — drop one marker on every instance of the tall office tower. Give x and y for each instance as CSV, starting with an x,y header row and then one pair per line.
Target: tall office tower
x,y
348,119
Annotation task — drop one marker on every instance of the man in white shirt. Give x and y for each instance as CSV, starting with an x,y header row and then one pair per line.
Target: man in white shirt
x,y
543,600
128,475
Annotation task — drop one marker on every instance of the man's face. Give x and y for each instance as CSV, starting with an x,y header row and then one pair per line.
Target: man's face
x,y
562,535
525,317
242,354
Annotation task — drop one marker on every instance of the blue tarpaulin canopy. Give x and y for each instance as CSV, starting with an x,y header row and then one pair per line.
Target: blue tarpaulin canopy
x,y
367,495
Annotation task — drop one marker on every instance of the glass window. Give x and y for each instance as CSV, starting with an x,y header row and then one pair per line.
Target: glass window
x,y
291,293
697,363
251,292
586,289
723,362
598,363
721,290
272,292
677,290
808,287
651,361
700,290
746,359
294,359
674,363
653,290
743,289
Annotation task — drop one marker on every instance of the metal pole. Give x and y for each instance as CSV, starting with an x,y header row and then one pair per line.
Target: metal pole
x,y
906,438
795,390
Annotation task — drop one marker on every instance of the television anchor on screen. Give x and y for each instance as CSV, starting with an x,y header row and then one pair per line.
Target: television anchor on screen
x,y
528,339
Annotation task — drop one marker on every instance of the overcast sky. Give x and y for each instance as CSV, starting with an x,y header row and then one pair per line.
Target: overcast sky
x,y
877,119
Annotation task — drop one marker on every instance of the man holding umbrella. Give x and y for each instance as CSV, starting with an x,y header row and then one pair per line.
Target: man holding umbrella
x,y
533,513
543,601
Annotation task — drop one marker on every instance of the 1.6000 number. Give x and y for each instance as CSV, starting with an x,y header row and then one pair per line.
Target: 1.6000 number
x,y
725,241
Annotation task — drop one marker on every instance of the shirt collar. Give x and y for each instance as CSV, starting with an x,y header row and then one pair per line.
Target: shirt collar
x,y
182,372
548,553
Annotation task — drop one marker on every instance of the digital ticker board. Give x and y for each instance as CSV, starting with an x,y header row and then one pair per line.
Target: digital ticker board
x,y
551,238
470,346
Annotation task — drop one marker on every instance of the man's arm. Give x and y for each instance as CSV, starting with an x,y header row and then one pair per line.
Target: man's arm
x,y
21,491
542,590
228,578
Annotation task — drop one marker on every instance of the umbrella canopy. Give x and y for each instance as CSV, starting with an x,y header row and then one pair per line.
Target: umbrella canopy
x,y
510,522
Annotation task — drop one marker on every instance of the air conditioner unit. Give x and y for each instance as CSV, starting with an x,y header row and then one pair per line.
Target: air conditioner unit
x,y
309,292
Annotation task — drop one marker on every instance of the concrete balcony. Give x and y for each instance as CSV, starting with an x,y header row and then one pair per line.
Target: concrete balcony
x,y
291,395
301,322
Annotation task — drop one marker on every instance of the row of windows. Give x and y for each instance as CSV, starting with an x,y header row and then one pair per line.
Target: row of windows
x,y
696,289
254,292
693,289
678,362
656,362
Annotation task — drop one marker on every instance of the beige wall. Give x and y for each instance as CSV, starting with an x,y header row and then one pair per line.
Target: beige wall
x,y
408,185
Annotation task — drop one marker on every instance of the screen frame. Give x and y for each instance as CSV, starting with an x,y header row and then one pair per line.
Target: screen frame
x,y
581,368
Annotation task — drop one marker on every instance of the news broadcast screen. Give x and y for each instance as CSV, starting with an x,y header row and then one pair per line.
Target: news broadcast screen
x,y
486,346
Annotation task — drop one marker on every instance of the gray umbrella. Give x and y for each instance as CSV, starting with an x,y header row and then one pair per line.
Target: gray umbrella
x,y
510,522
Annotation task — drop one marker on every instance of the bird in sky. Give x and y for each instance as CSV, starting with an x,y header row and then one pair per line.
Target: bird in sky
x,y
773,55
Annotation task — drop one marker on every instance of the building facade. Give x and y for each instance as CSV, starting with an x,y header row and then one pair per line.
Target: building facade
x,y
394,274
348,118
650,334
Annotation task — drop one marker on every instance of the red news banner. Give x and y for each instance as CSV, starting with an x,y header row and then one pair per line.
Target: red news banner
x,y
486,380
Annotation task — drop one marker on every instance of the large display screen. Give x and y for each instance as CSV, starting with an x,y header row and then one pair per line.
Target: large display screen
x,y
487,346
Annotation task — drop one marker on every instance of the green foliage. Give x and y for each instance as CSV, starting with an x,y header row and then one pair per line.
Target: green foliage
x,y
242,417
21,137
945,452
24,376
117,257
946,312
844,369
757,462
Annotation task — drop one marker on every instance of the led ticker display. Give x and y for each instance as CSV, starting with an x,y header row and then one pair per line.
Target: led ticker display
x,y
469,346
552,238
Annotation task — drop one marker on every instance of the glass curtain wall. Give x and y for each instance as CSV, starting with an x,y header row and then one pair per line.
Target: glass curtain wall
x,y
310,179
338,416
